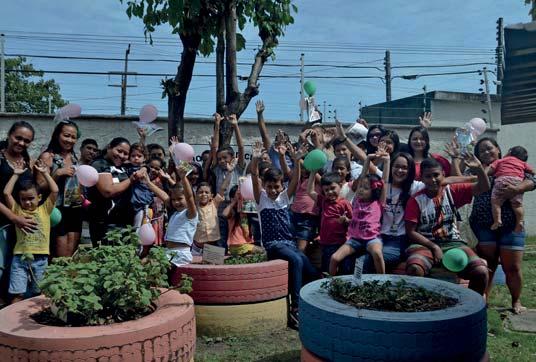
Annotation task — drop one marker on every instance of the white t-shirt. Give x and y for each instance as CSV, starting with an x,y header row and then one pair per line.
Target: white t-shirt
x,y
180,229
393,213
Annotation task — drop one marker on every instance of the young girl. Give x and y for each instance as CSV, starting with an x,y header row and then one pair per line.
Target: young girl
x,y
364,228
208,229
155,169
141,197
182,222
240,239
341,165
509,171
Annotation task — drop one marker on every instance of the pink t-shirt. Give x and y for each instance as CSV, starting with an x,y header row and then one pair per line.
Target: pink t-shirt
x,y
332,232
510,166
366,220
303,204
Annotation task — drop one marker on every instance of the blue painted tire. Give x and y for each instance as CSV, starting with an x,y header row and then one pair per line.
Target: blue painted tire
x,y
338,332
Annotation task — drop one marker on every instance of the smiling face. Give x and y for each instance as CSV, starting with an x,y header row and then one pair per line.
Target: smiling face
x,y
67,137
488,152
432,179
19,140
399,170
89,152
374,137
331,191
118,154
154,169
342,150
178,200
363,191
204,195
157,152
417,142
389,144
273,188
224,158
340,168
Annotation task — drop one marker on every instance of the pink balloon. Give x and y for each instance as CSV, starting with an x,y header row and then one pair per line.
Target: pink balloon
x,y
71,110
147,234
479,126
87,175
183,152
246,189
148,113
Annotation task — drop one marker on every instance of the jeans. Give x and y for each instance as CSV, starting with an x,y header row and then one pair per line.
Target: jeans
x,y
345,267
299,268
21,279
393,249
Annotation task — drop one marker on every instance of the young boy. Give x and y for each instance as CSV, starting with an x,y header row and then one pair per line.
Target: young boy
x,y
277,238
431,217
221,158
336,213
30,256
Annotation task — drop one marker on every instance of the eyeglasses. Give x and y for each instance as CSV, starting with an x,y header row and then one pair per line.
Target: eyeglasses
x,y
375,135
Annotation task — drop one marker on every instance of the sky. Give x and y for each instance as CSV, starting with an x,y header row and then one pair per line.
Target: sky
x,y
330,34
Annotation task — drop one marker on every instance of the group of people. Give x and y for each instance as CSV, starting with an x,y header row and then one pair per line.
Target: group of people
x,y
375,196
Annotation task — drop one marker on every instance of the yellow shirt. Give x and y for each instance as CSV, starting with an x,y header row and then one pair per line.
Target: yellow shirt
x,y
38,241
208,229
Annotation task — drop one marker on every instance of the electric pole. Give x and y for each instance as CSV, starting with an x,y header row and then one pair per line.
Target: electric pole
x,y
2,76
488,97
424,99
301,86
387,62
124,84
499,54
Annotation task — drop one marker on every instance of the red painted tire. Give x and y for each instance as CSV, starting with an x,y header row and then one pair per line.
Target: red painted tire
x,y
234,284
167,334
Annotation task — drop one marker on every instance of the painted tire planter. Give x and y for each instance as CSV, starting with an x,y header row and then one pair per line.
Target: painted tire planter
x,y
167,334
458,333
234,284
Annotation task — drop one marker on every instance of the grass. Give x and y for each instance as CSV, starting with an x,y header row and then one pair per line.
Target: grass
x,y
504,345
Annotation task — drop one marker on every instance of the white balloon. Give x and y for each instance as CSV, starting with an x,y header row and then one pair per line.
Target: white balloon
x,y
87,175
478,126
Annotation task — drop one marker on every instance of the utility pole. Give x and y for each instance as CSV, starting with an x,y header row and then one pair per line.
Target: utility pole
x,y
387,62
2,76
301,86
424,99
488,97
124,84
324,109
499,54
360,109
49,104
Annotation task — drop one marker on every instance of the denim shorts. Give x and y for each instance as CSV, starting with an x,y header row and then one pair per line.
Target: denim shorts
x,y
304,226
21,277
508,240
358,245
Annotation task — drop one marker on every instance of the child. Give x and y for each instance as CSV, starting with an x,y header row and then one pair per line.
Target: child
x,y
155,169
278,240
509,171
240,239
34,247
336,213
430,221
208,229
182,222
364,229
341,165
141,197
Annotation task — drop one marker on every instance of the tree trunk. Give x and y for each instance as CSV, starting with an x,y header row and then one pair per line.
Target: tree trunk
x,y
220,70
177,88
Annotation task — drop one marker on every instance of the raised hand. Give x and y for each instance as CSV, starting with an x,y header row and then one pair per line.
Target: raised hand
x,y
164,174
41,167
363,122
257,149
181,172
339,130
232,165
471,161
452,149
233,120
259,106
282,148
382,149
426,120
217,118
141,132
329,134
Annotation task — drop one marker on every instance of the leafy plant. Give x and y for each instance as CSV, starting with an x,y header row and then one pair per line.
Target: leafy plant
x,y
246,259
106,284
386,296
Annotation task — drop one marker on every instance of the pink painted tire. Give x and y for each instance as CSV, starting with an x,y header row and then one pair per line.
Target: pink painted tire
x,y
308,356
236,284
167,334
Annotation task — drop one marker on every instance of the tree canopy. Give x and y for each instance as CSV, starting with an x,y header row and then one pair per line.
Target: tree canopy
x,y
205,27
27,91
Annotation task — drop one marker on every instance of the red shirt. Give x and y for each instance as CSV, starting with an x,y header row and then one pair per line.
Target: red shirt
x,y
442,161
510,166
332,232
422,210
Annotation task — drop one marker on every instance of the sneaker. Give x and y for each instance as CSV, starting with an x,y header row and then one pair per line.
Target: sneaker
x,y
293,320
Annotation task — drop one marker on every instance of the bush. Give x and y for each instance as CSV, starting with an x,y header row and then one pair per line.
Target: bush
x,y
106,284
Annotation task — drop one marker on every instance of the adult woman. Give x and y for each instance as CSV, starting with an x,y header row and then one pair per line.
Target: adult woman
x,y
504,243
374,134
61,159
110,198
419,149
19,138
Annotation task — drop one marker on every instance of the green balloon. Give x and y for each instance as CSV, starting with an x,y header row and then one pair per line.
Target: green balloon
x,y
310,88
455,260
55,217
315,160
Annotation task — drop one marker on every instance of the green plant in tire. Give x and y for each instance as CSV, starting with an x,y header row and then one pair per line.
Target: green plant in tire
x,y
106,284
246,259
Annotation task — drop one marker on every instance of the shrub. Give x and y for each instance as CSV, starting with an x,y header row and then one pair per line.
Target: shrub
x,y
106,284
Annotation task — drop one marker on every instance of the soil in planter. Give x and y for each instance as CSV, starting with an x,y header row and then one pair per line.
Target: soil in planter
x,y
387,296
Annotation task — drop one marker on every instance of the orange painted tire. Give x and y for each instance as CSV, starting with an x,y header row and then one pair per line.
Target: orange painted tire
x,y
167,334
235,284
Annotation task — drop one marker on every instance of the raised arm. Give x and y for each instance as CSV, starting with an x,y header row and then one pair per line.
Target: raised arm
x,y
188,193
311,187
220,196
295,179
386,159
357,152
215,140
453,150
262,126
426,120
228,212
161,194
43,169
482,185
18,170
257,153
282,151
239,141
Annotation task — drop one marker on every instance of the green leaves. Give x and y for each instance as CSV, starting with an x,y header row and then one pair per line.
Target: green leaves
x,y
106,284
